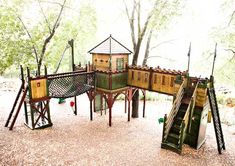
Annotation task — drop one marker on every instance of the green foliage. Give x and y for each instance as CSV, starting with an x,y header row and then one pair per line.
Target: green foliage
x,y
81,28
16,47
12,39
164,14
224,35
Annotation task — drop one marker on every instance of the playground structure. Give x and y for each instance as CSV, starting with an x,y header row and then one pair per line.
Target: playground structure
x,y
109,76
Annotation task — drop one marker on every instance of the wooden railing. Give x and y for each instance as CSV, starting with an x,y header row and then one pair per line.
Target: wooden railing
x,y
170,118
187,117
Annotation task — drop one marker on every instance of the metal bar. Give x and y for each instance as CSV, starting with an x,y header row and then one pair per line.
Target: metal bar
x,y
213,65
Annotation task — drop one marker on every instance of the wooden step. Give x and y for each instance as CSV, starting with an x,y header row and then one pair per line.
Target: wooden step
x,y
175,129
170,146
173,138
178,120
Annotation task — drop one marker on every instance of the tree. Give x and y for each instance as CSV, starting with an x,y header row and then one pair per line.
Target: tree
x,y
11,38
156,19
224,35
41,39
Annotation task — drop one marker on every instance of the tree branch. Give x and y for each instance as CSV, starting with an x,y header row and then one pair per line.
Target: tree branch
x,y
146,55
46,20
231,18
164,42
229,49
138,17
233,57
131,22
27,31
56,24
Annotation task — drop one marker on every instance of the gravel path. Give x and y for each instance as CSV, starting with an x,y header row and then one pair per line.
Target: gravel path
x,y
75,140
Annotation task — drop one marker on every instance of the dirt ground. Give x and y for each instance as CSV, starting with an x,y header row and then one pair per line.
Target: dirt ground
x,y
75,140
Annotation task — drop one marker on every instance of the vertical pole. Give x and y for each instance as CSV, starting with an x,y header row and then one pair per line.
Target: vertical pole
x,y
125,103
94,102
150,86
129,110
164,125
31,108
23,86
71,43
110,104
213,65
110,53
91,113
129,103
45,70
189,53
89,66
144,103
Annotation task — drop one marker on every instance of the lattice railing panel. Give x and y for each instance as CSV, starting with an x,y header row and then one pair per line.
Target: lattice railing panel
x,y
70,85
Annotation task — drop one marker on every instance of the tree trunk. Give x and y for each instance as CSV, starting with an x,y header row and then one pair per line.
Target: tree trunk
x,y
135,105
135,99
146,55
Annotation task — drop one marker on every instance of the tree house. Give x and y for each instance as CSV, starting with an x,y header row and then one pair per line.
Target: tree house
x,y
110,60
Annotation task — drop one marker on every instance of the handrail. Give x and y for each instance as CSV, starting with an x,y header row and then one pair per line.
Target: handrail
x,y
187,116
69,75
66,73
174,110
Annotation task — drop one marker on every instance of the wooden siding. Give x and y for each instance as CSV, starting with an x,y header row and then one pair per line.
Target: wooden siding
x,y
114,61
160,82
100,61
138,78
163,83
38,88
111,81
201,97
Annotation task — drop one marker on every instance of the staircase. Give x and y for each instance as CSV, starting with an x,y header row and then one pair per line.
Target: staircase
x,y
216,119
173,140
16,107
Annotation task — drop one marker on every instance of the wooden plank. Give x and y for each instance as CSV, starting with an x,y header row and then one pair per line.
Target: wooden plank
x,y
38,88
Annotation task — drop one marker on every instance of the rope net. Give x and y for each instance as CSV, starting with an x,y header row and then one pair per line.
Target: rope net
x,y
70,84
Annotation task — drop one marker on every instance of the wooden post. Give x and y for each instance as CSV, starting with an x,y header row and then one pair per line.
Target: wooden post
x,y
23,87
129,110
144,103
110,105
71,43
94,103
150,78
91,113
125,103
110,116
129,103
31,107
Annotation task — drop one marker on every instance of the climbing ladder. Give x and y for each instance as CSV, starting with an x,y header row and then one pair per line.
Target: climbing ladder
x,y
20,98
216,118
